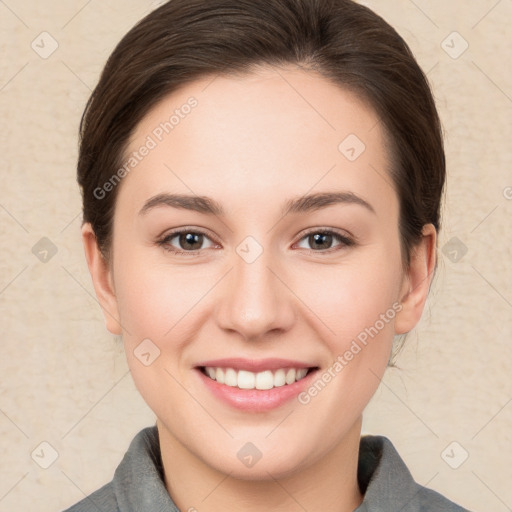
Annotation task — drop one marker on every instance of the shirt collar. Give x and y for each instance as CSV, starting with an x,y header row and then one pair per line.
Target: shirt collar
x,y
383,477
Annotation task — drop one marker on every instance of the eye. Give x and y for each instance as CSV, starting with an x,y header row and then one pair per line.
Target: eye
x,y
321,240
188,241
191,241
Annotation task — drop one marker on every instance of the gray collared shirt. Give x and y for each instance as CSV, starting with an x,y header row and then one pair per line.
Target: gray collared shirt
x,y
383,478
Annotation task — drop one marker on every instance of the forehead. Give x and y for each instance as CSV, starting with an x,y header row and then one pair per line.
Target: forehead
x,y
286,130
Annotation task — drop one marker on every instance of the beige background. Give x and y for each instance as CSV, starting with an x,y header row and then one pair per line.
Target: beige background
x,y
64,379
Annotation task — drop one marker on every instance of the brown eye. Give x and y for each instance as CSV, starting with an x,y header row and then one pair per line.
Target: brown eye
x,y
185,241
322,241
190,241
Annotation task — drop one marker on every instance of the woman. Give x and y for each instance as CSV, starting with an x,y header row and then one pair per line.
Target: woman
x,y
261,184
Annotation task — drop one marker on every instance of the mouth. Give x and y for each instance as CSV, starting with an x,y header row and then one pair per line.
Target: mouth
x,y
255,386
263,380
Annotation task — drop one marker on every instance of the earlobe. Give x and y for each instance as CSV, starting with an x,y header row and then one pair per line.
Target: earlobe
x,y
102,279
417,280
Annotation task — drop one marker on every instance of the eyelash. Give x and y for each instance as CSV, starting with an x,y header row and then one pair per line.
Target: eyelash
x,y
344,241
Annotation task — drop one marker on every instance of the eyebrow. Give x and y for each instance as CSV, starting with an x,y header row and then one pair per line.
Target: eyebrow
x,y
302,204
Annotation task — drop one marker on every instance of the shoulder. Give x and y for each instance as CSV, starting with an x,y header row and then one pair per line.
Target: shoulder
x,y
102,499
388,485
138,481
106,498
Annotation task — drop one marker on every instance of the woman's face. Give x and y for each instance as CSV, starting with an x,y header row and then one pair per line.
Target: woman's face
x,y
288,261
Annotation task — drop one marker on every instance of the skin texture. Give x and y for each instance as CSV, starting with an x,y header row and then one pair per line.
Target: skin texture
x,y
251,143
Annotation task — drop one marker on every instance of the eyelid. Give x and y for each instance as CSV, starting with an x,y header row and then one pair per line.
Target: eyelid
x,y
185,229
325,229
345,239
163,240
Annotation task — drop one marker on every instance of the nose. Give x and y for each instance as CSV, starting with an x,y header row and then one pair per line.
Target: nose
x,y
254,300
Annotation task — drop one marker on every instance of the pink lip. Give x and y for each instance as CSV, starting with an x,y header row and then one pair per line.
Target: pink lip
x,y
253,365
256,400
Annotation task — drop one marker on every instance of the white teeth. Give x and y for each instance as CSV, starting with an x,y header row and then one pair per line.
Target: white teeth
x,y
230,378
219,375
246,380
266,379
301,373
279,378
290,376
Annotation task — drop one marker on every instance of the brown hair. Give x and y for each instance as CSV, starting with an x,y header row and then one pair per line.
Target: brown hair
x,y
184,40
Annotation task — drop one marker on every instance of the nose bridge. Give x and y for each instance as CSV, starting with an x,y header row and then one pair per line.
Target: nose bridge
x,y
254,301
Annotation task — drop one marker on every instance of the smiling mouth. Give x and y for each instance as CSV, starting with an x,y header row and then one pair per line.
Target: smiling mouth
x,y
267,379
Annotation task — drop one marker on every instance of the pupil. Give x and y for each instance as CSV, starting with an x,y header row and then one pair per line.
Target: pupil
x,y
190,239
320,238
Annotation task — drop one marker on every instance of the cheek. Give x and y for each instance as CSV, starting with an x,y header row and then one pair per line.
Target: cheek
x,y
356,308
155,305
341,300
355,296
154,299
359,308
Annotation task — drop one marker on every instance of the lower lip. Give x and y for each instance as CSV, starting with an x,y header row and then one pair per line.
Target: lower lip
x,y
256,400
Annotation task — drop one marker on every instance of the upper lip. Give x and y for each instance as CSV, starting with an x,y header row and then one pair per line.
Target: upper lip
x,y
254,365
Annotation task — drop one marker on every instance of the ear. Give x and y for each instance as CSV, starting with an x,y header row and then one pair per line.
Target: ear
x,y
102,279
416,281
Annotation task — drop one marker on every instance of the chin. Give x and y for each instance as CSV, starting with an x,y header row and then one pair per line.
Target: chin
x,y
268,470
261,461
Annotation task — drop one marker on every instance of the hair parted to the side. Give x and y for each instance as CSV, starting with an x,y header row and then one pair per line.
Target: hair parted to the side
x,y
185,40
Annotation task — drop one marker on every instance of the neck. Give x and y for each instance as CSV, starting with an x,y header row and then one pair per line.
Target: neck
x,y
329,484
